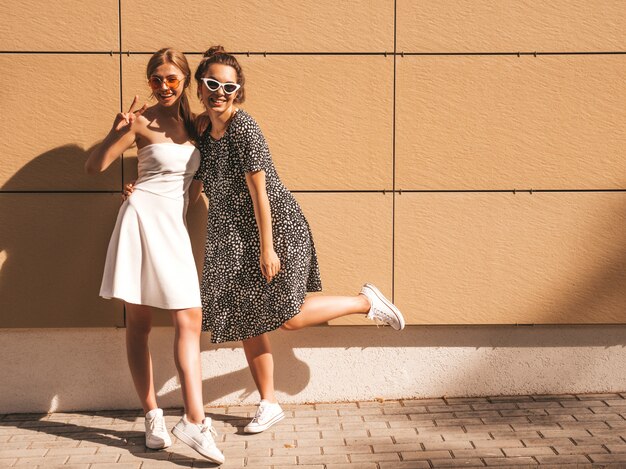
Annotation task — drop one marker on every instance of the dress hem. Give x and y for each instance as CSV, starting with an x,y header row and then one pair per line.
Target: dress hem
x,y
160,306
270,329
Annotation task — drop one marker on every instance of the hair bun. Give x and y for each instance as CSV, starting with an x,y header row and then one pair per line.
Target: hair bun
x,y
214,50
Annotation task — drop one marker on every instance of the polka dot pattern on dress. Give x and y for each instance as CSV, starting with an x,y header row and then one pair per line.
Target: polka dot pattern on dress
x,y
237,302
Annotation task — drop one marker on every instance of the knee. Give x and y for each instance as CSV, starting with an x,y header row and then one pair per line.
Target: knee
x,y
291,325
138,329
188,321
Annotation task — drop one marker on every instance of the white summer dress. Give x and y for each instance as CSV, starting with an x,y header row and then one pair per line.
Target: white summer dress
x,y
149,260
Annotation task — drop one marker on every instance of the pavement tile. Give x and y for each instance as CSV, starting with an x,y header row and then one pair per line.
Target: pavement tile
x,y
498,443
255,461
366,457
298,450
447,445
466,400
400,465
477,453
359,425
22,453
608,458
614,448
564,442
563,459
358,465
321,459
582,449
422,402
392,432
496,406
519,434
425,455
524,461
510,398
615,402
457,463
368,441
608,439
531,451
396,448
40,461
361,411
347,449
300,466
94,458
336,405
449,408
323,442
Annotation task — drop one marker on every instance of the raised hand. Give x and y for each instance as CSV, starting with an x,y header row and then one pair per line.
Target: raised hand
x,y
124,120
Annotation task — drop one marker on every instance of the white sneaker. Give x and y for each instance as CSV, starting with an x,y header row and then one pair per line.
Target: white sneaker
x,y
381,309
267,415
157,436
199,437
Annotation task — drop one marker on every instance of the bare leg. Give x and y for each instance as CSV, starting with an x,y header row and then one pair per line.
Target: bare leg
x,y
138,326
261,362
319,309
188,324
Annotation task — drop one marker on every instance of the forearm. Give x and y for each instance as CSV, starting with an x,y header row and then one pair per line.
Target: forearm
x,y
113,145
262,209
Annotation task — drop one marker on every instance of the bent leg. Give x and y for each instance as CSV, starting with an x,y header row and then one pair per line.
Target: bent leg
x,y
188,324
320,309
261,362
138,326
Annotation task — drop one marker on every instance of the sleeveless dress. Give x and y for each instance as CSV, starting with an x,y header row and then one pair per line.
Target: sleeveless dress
x,y
149,260
237,301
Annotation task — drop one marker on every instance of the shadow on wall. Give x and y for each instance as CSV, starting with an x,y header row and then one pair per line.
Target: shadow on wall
x,y
52,252
52,245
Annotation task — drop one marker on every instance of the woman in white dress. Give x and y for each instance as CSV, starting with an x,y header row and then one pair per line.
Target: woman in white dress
x,y
149,261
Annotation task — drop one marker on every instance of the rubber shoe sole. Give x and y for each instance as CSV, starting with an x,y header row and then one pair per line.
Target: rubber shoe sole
x,y
389,304
262,428
192,444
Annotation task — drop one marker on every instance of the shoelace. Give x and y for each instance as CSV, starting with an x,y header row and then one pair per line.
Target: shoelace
x,y
380,317
259,412
157,424
210,429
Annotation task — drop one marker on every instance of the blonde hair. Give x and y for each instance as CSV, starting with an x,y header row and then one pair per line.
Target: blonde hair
x,y
167,55
217,55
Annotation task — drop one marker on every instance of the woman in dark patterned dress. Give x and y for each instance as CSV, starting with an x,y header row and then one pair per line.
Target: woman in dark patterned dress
x,y
260,258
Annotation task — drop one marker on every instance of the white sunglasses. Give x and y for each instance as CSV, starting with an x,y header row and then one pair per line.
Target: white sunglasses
x,y
214,85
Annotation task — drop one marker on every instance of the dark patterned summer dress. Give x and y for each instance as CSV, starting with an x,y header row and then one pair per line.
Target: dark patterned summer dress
x,y
237,302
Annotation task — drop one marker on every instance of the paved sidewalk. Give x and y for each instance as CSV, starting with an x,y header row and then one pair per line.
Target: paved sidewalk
x,y
585,431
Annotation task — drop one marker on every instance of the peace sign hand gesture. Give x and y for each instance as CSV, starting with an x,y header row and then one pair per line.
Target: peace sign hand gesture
x,y
124,120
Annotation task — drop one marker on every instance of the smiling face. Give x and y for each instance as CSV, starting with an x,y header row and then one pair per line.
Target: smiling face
x,y
218,101
166,94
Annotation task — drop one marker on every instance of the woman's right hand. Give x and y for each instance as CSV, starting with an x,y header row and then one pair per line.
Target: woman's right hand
x,y
124,120
128,189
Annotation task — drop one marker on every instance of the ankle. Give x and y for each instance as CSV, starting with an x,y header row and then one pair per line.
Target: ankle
x,y
364,303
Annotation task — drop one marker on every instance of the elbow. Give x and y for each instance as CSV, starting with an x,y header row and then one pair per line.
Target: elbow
x,y
91,168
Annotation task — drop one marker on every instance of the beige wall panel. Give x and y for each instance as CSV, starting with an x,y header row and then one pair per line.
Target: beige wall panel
x,y
328,120
59,25
511,259
353,239
52,251
260,25
65,105
508,122
510,25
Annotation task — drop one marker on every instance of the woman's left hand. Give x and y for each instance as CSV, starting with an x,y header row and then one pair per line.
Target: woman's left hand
x,y
270,264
